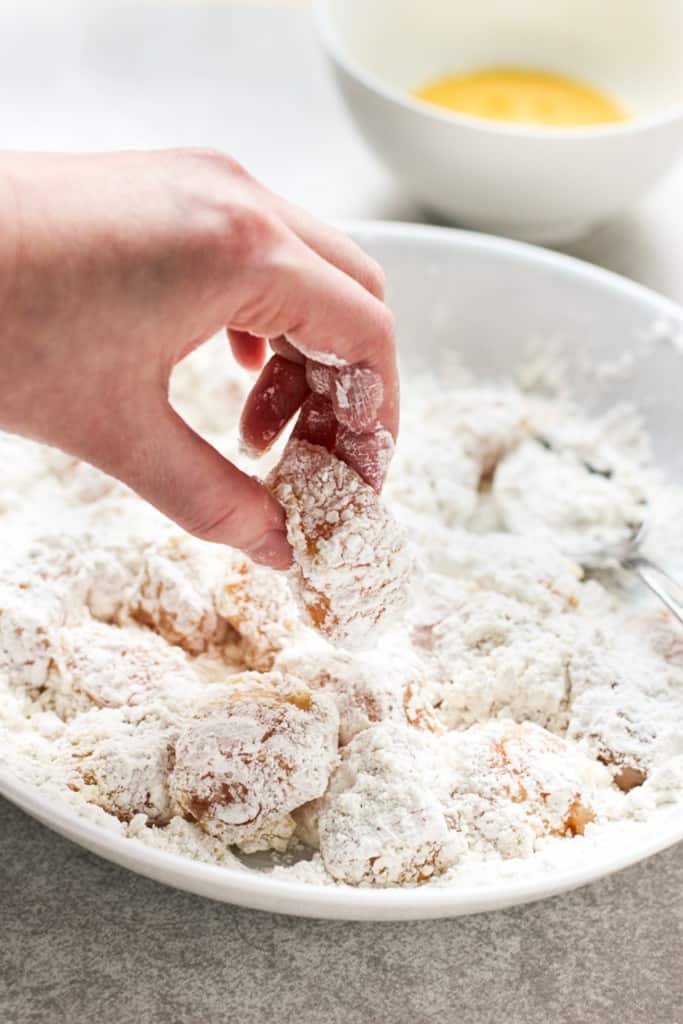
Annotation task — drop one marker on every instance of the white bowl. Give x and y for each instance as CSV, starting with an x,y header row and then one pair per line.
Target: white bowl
x,y
486,298
540,184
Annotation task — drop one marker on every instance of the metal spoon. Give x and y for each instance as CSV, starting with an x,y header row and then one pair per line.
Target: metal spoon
x,y
626,554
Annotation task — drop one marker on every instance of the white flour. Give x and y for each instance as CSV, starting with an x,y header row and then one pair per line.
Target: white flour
x,y
514,718
351,562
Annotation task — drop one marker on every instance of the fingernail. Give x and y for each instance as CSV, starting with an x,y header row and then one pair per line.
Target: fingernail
x,y
273,549
369,454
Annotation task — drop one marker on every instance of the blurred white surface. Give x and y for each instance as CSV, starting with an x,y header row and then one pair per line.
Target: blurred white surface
x,y
96,75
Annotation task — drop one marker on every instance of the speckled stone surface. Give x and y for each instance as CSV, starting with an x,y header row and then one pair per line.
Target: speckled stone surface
x,y
84,942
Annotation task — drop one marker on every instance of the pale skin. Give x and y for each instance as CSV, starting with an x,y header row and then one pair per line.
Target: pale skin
x,y
114,267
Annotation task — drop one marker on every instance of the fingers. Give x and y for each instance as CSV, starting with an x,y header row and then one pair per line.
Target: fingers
x,y
347,336
325,314
249,351
191,483
357,396
369,454
274,399
352,398
319,296
339,413
317,423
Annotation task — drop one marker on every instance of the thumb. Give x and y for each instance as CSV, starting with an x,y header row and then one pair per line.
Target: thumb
x,y
189,481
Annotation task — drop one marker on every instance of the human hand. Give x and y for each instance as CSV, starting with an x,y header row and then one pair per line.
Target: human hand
x,y
114,267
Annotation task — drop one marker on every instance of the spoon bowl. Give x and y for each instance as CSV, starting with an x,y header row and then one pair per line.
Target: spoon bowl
x,y
626,554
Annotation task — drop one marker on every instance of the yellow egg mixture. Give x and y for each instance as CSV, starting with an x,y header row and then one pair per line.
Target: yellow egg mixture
x,y
526,97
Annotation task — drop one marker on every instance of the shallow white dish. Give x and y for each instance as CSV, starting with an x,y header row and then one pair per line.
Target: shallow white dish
x,y
486,298
540,184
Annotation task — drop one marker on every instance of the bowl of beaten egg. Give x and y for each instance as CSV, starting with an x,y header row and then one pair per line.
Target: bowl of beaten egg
x,y
532,119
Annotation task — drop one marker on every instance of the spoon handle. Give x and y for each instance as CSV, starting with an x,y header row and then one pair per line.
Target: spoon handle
x,y
666,589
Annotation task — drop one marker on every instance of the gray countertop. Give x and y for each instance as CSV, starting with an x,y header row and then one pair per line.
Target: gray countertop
x,y
82,940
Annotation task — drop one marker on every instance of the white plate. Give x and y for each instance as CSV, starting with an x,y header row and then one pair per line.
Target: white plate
x,y
486,298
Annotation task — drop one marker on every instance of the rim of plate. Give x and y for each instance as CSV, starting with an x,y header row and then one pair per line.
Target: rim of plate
x,y
257,890
568,265
566,133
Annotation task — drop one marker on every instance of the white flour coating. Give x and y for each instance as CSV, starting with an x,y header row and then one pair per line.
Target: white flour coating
x,y
515,783
448,449
351,562
404,805
324,358
114,666
120,759
559,495
384,819
252,756
514,718
379,685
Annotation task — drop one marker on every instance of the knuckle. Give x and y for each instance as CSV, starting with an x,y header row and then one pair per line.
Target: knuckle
x,y
247,232
277,302
221,213
217,160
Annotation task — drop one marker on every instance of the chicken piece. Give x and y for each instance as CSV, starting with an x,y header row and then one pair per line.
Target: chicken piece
x,y
466,432
257,604
351,563
119,759
369,687
203,599
112,666
492,654
626,704
39,594
176,595
382,821
189,594
531,571
249,759
515,783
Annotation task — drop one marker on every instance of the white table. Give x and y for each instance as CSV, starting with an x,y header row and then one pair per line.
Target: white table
x,y
81,940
